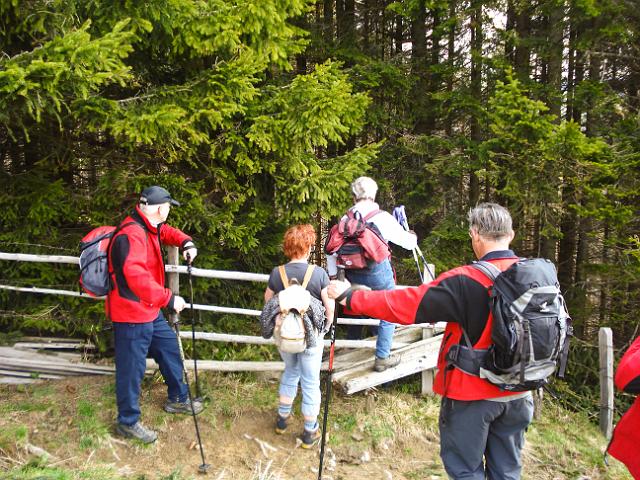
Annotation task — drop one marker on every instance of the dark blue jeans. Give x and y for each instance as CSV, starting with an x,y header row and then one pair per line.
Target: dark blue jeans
x,y
133,341
377,277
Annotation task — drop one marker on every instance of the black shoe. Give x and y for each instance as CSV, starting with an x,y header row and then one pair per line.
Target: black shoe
x,y
137,431
381,364
281,424
309,439
183,407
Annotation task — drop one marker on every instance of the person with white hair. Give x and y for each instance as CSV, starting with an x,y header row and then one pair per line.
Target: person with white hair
x,y
481,425
377,276
136,272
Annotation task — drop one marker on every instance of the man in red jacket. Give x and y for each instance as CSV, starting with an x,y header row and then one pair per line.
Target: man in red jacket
x,y
481,427
137,294
625,442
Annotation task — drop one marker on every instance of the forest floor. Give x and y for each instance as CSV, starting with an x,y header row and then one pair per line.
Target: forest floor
x,y
64,430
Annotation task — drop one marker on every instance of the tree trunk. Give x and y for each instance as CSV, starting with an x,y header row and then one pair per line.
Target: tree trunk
x,y
328,20
476,94
419,67
522,64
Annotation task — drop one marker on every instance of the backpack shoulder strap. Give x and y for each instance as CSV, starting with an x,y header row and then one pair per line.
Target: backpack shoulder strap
x,y
308,274
116,231
488,268
283,276
371,215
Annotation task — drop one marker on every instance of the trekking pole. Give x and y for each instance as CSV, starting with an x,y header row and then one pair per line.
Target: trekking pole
x,y
193,330
327,394
203,467
401,217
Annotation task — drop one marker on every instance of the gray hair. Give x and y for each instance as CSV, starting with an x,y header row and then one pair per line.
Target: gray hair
x,y
364,188
491,221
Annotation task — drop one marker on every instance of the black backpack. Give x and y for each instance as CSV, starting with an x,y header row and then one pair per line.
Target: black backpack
x,y
530,331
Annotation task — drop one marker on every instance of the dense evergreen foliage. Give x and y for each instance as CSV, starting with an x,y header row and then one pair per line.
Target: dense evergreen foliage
x,y
258,113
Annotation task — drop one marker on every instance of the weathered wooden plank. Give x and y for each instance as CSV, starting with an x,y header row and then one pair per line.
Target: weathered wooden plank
x,y
255,340
605,343
427,375
354,358
53,346
17,381
53,365
24,257
415,358
14,373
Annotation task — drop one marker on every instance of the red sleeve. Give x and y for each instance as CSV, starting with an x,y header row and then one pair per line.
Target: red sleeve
x,y
443,300
397,306
139,278
172,236
628,372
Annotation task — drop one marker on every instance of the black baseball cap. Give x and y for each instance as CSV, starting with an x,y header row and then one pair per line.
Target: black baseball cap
x,y
156,195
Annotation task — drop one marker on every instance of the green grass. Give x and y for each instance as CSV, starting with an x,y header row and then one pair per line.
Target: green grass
x,y
13,435
92,430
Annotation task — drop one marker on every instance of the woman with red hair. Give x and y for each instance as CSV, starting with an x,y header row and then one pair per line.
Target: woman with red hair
x,y
301,368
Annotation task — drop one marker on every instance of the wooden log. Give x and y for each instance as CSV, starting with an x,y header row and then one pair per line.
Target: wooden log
x,y
173,279
427,375
49,291
255,340
232,366
221,274
229,366
13,373
24,257
50,365
17,380
605,343
53,346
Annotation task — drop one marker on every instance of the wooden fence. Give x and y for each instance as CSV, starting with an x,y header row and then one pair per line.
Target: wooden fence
x,y
423,360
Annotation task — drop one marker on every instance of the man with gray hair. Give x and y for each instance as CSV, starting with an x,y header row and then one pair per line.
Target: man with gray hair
x,y
481,426
377,276
136,271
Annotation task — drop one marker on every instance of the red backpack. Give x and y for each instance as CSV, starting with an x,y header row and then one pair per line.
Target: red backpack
x,y
357,241
94,265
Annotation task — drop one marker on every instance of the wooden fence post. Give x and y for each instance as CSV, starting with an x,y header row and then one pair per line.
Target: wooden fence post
x,y
427,375
173,278
605,343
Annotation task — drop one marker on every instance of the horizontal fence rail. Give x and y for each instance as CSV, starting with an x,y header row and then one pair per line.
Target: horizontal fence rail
x,y
206,308
198,272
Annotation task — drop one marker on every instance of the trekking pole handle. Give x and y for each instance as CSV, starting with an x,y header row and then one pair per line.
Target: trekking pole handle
x,y
341,273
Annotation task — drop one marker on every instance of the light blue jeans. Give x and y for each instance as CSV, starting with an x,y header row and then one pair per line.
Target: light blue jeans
x,y
376,277
303,368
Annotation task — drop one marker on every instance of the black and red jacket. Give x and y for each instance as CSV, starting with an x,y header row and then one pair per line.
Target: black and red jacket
x,y
625,443
137,269
459,297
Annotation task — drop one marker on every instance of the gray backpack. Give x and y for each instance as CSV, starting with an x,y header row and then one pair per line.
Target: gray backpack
x,y
530,331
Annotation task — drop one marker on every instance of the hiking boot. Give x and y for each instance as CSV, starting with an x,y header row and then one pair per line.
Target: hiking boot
x,y
309,439
137,431
381,364
183,407
281,424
